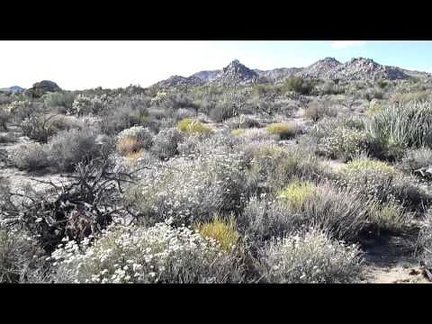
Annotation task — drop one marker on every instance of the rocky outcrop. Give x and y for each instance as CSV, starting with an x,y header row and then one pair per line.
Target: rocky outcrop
x,y
323,69
235,74
40,88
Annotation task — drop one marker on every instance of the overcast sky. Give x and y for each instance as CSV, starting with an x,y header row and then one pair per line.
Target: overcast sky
x,y
80,65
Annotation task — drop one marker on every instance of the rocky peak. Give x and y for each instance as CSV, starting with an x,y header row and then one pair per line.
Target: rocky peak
x,y
321,69
236,73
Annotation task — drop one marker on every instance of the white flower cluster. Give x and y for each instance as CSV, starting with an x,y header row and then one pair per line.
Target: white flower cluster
x,y
189,190
343,142
310,257
159,254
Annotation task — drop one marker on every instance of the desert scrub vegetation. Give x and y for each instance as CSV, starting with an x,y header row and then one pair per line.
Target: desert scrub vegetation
x,y
324,205
223,231
383,182
68,148
296,193
343,143
5,116
399,127
318,109
191,126
62,100
273,165
310,256
30,157
420,96
299,85
134,139
418,162
158,254
388,217
166,142
20,256
191,191
283,130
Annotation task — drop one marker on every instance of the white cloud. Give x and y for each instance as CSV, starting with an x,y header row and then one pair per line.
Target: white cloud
x,y
345,44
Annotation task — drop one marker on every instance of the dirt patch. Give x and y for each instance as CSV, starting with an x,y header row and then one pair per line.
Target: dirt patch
x,y
391,259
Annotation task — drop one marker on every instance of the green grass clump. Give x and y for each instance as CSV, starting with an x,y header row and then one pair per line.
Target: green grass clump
x,y
296,193
192,126
283,130
222,231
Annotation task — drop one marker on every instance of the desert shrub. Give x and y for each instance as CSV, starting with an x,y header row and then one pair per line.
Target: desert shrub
x,y
331,88
134,139
275,166
238,131
128,145
299,85
4,118
191,190
374,108
67,148
159,254
342,212
19,256
116,120
317,110
263,219
396,128
223,111
39,128
373,93
133,157
165,144
22,109
310,257
223,231
192,126
63,100
83,105
388,217
30,157
183,113
420,96
243,121
283,130
343,142
296,193
417,161
381,181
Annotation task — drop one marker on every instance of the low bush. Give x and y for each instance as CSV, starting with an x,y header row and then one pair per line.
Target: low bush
x,y
310,257
159,254
191,126
31,157
283,130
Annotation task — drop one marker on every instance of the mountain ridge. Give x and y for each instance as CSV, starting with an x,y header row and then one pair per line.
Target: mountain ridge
x,y
329,68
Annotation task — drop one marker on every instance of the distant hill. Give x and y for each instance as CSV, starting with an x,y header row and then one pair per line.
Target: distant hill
x,y
326,69
13,89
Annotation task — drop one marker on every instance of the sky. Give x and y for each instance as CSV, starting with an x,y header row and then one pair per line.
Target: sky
x,y
79,65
